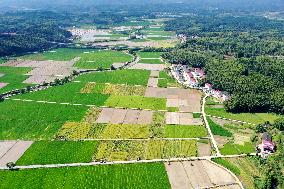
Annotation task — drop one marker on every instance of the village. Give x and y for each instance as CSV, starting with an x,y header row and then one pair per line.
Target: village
x,y
194,78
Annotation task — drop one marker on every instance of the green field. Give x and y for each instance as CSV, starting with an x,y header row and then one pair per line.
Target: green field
x,y
152,149
68,93
136,102
150,54
217,129
140,176
256,118
58,152
151,61
129,77
167,81
30,120
102,59
14,77
233,149
182,131
62,54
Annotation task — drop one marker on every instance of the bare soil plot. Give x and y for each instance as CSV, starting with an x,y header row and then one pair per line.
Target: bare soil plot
x,y
145,117
197,174
235,186
11,151
153,82
203,149
2,85
180,118
172,118
154,74
221,141
172,102
125,116
151,67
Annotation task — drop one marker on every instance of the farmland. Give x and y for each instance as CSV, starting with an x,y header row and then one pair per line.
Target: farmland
x,y
151,61
35,120
102,59
151,175
60,54
58,152
129,77
150,54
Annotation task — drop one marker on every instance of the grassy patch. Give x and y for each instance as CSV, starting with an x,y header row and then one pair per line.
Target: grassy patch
x,y
27,120
196,115
163,83
172,109
153,149
232,149
228,165
181,131
62,54
150,54
136,102
129,77
151,61
256,118
53,152
152,175
102,59
217,129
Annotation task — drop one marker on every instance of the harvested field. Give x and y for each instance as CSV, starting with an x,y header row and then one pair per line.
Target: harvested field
x,y
74,130
124,90
151,67
2,85
152,82
11,151
203,149
124,116
197,174
89,88
178,118
154,74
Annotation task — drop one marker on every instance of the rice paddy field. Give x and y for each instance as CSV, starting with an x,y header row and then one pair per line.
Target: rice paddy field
x,y
102,59
152,175
58,152
129,77
149,54
35,120
13,77
151,61
61,54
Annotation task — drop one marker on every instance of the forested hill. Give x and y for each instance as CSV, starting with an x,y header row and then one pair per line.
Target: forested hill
x,y
242,55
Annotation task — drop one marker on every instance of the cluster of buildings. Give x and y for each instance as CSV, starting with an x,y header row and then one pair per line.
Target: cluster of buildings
x,y
266,147
194,78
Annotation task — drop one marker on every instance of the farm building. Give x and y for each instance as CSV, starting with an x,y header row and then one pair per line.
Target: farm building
x,y
266,147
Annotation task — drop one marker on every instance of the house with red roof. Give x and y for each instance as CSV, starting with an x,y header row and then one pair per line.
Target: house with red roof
x,y
266,147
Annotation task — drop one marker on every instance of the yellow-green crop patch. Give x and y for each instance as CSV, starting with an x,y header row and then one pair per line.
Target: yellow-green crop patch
x,y
124,90
102,59
185,131
152,149
136,102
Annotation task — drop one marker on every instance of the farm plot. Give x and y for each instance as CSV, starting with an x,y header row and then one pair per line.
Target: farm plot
x,y
153,82
178,118
151,61
28,120
124,90
58,152
166,81
11,151
152,149
129,77
150,67
12,78
68,93
152,175
255,118
198,174
102,59
125,116
150,54
61,54
136,102
185,131
232,139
